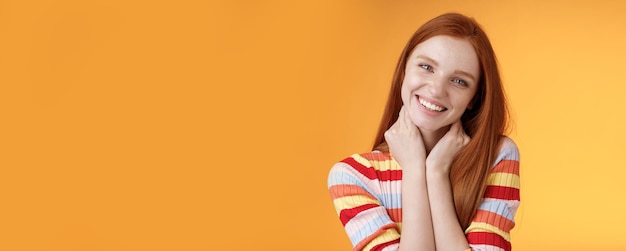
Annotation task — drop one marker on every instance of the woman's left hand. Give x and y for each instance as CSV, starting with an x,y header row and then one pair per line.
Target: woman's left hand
x,y
440,158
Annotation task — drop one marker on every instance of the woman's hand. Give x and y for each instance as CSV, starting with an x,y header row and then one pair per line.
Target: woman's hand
x,y
405,142
440,157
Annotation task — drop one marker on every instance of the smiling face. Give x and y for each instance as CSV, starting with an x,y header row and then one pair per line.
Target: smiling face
x,y
440,80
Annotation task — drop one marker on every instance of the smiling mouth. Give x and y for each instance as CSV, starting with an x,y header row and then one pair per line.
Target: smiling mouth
x,y
430,106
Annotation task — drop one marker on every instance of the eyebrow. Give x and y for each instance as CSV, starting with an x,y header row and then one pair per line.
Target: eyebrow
x,y
430,60
466,74
458,72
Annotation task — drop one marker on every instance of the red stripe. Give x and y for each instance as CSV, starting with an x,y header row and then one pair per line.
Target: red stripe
x,y
371,173
503,193
478,238
347,214
384,245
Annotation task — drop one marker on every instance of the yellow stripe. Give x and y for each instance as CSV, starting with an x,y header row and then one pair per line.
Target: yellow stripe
x,y
504,179
386,165
484,227
361,160
353,201
387,236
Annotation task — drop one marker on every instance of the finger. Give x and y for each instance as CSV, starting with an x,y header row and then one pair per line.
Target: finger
x,y
461,129
402,116
407,122
456,127
459,126
398,121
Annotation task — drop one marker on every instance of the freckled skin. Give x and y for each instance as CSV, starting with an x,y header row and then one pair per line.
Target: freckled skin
x,y
444,71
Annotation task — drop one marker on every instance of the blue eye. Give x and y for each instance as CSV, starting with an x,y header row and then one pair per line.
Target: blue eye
x,y
426,67
460,81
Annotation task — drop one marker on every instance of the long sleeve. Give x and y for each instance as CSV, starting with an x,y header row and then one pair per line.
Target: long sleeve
x,y
366,193
491,226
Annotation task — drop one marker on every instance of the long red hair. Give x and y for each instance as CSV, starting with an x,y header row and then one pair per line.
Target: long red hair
x,y
485,122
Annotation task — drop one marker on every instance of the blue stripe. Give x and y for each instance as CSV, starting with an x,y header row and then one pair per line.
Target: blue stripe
x,y
509,153
342,177
391,200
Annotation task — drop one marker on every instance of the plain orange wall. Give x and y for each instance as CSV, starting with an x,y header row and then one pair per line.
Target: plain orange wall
x,y
195,125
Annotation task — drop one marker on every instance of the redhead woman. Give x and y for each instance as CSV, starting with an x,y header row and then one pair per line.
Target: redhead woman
x,y
442,175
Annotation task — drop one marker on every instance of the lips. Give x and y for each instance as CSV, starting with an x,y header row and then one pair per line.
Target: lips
x,y
430,106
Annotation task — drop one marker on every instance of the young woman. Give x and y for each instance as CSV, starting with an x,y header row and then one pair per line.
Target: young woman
x,y
441,175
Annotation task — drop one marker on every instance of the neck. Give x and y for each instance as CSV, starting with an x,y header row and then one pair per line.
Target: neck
x,y
432,137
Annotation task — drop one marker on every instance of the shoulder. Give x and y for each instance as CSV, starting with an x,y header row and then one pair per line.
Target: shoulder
x,y
508,150
508,158
374,165
375,159
368,159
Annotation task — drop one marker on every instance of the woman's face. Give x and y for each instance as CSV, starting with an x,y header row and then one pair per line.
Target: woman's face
x,y
440,80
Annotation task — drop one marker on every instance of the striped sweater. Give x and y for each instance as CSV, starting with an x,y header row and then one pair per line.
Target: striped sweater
x,y
366,192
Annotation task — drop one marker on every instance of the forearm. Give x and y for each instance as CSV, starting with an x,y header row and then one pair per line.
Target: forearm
x,y
417,230
449,235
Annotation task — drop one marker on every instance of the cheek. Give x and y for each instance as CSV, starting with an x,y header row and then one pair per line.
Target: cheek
x,y
464,102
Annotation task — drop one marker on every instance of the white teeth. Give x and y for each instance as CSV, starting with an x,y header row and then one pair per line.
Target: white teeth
x,y
431,106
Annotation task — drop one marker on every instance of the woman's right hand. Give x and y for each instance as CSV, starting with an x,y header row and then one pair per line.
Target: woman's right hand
x,y
405,142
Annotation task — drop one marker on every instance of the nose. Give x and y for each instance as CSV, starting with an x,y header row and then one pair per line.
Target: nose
x,y
437,87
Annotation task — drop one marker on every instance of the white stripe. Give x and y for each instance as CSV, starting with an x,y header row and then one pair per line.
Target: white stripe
x,y
365,218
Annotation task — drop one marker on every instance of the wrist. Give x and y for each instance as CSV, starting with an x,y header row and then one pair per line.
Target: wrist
x,y
409,163
414,169
438,173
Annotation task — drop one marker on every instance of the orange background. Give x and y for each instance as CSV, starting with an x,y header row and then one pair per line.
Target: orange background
x,y
195,125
